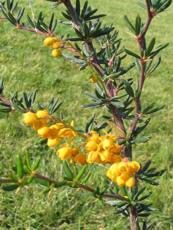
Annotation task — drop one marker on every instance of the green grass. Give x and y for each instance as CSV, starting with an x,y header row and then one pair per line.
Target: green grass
x,y
26,65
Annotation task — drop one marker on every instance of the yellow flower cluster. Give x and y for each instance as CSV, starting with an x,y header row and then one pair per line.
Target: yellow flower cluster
x,y
54,43
123,173
96,148
53,133
36,120
102,148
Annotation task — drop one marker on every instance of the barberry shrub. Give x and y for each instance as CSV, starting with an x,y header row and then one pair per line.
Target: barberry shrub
x,y
109,141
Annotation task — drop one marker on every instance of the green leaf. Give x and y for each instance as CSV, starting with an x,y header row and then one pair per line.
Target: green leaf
x,y
78,7
41,182
140,128
131,53
138,25
19,166
128,88
93,105
152,109
5,108
117,104
81,173
54,105
129,24
86,178
89,124
10,188
146,166
158,49
28,163
36,164
141,139
67,171
150,47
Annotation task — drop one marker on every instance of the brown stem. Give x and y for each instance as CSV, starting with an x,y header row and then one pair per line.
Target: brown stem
x,y
76,184
128,151
39,176
81,186
94,62
106,195
5,101
5,181
138,108
141,44
138,101
141,36
133,218
21,27
119,122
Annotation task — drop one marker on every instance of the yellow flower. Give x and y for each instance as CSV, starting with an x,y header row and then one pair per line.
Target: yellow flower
x,y
66,132
105,156
135,166
58,126
66,152
54,130
49,41
122,167
42,114
111,176
115,159
107,143
91,146
29,118
130,182
56,53
93,136
120,182
80,159
38,124
113,172
52,142
44,132
57,44
116,149
125,176
93,157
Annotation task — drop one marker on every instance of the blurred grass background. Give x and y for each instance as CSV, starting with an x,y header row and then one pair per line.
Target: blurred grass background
x,y
26,65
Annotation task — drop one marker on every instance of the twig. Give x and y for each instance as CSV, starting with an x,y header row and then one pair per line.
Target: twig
x,y
81,186
22,27
67,183
141,43
94,62
106,195
5,181
142,46
5,101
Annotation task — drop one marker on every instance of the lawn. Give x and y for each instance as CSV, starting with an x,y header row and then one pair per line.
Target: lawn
x,y
26,65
